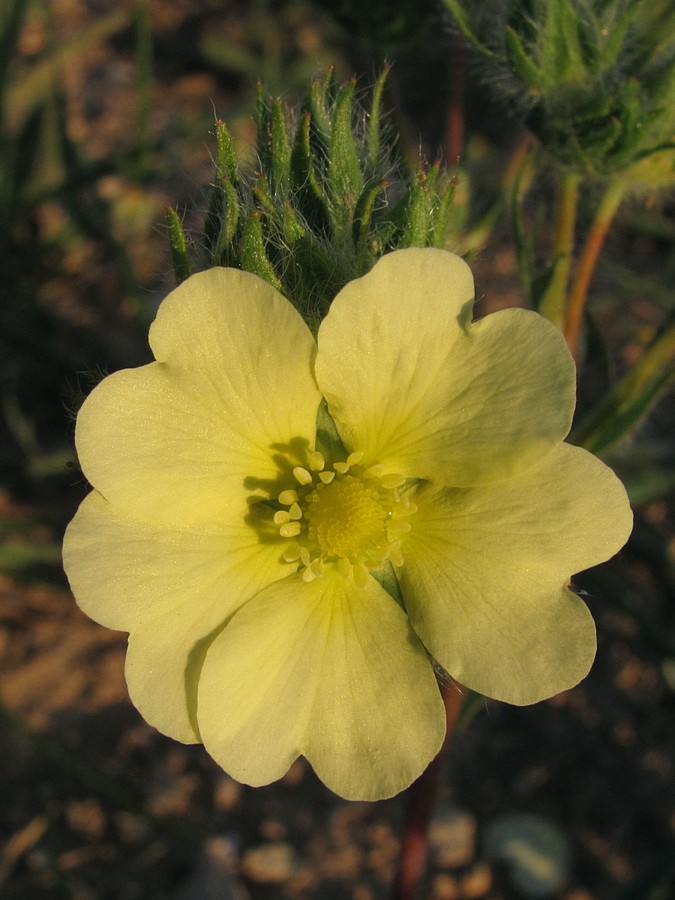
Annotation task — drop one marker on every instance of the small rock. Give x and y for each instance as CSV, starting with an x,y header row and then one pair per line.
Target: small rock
x,y
452,838
476,883
269,863
445,887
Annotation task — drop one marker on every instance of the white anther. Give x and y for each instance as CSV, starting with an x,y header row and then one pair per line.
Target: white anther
x,y
295,512
326,477
286,498
355,458
281,517
341,467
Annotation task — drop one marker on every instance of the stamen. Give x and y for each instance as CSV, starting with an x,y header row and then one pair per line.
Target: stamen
x,y
290,529
302,476
292,553
316,461
392,481
343,517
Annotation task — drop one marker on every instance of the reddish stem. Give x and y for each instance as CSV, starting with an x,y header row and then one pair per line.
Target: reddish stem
x,y
421,799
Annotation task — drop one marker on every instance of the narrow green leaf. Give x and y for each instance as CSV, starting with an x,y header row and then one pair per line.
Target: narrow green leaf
x,y
633,396
40,79
455,7
374,122
182,265
525,68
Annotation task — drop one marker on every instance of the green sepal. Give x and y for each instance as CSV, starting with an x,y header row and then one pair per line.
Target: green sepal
x,y
253,255
312,201
417,225
345,178
223,213
229,220
386,576
328,442
442,214
182,265
365,252
226,160
274,150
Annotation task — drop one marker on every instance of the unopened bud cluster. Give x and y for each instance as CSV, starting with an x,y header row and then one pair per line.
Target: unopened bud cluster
x,y
326,199
592,79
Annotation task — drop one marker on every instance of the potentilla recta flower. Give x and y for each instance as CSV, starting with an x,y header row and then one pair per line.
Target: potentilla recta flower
x,y
252,560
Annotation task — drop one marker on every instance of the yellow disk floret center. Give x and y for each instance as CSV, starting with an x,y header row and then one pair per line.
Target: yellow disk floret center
x,y
346,518
343,515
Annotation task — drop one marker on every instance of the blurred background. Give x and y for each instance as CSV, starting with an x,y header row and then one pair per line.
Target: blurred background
x,y
106,117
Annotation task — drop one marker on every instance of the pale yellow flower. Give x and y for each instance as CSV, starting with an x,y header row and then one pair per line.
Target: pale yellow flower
x,y
248,566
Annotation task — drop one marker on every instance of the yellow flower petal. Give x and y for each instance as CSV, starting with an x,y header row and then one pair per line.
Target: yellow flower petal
x,y
486,568
171,588
419,388
327,670
191,437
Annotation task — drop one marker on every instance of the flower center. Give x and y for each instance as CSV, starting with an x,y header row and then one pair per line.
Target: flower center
x,y
343,515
